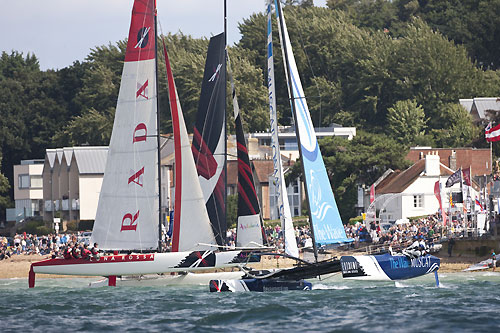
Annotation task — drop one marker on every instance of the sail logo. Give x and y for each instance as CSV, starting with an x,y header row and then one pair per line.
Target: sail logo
x,y
403,262
142,37
216,73
244,226
129,222
137,177
142,90
320,207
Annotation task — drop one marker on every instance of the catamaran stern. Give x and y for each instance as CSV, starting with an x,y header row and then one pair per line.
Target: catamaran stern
x,y
387,267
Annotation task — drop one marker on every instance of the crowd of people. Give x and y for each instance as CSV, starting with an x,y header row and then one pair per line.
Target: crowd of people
x,y
398,236
274,237
57,245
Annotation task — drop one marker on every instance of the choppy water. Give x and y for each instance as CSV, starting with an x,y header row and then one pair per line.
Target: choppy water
x,y
464,302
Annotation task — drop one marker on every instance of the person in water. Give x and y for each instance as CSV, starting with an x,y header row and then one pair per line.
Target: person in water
x,y
493,257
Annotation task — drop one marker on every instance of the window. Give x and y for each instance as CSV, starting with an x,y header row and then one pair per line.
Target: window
x,y
36,182
418,201
24,181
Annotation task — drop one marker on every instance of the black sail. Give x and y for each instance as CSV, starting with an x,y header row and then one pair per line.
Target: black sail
x,y
209,137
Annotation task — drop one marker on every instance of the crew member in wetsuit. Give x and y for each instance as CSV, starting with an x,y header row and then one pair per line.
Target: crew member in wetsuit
x,y
86,252
95,252
67,252
413,250
424,249
76,252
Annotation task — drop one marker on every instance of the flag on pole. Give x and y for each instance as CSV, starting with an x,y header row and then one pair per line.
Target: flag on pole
x,y
466,175
478,204
372,193
437,193
454,178
492,134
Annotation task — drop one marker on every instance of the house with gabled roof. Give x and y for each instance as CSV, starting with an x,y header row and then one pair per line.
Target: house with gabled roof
x,y
410,193
478,159
72,179
483,109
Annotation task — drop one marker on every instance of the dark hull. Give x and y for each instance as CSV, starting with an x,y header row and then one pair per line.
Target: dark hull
x,y
259,285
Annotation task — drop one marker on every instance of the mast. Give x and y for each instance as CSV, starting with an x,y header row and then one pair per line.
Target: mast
x,y
225,115
279,183
158,130
294,111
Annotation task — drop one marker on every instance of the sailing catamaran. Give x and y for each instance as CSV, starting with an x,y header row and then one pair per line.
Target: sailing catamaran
x,y
324,217
128,215
326,224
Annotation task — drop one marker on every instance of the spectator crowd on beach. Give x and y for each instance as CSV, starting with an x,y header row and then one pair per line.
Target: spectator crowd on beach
x,y
397,236
29,244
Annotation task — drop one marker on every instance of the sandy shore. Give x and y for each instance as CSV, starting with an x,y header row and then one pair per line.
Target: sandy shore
x,y
19,265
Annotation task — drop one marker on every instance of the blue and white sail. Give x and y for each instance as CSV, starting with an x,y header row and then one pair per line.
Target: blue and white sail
x,y
326,222
278,175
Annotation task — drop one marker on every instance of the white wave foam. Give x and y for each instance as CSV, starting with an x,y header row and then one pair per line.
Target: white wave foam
x,y
398,284
321,286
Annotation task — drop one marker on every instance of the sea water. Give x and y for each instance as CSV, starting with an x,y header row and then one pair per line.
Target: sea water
x,y
464,302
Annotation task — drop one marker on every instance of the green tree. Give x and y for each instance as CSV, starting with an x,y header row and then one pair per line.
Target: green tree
x,y
232,211
252,95
5,201
32,109
457,129
406,121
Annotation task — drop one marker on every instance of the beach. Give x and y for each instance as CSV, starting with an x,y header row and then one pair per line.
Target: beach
x,y
18,266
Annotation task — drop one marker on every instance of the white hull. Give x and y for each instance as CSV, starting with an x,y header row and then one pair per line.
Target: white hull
x,y
140,264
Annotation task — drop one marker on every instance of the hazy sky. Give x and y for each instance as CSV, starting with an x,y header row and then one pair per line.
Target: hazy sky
x,y
59,32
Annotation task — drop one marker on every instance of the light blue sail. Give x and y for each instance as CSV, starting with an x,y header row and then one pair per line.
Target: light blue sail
x,y
326,222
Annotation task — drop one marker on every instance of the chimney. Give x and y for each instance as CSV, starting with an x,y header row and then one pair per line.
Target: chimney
x,y
432,167
253,146
453,160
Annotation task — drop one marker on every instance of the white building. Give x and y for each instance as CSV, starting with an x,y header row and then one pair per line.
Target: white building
x,y
410,193
28,188
72,179
288,140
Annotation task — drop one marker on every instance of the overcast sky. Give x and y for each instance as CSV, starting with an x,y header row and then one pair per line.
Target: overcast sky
x,y
59,32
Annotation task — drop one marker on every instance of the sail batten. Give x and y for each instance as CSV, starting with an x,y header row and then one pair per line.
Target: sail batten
x,y
278,173
325,218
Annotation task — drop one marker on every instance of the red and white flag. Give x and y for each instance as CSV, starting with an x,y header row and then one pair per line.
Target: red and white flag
x,y
437,193
492,134
466,176
372,193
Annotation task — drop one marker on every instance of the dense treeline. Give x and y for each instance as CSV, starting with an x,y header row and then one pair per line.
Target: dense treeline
x,y
393,69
